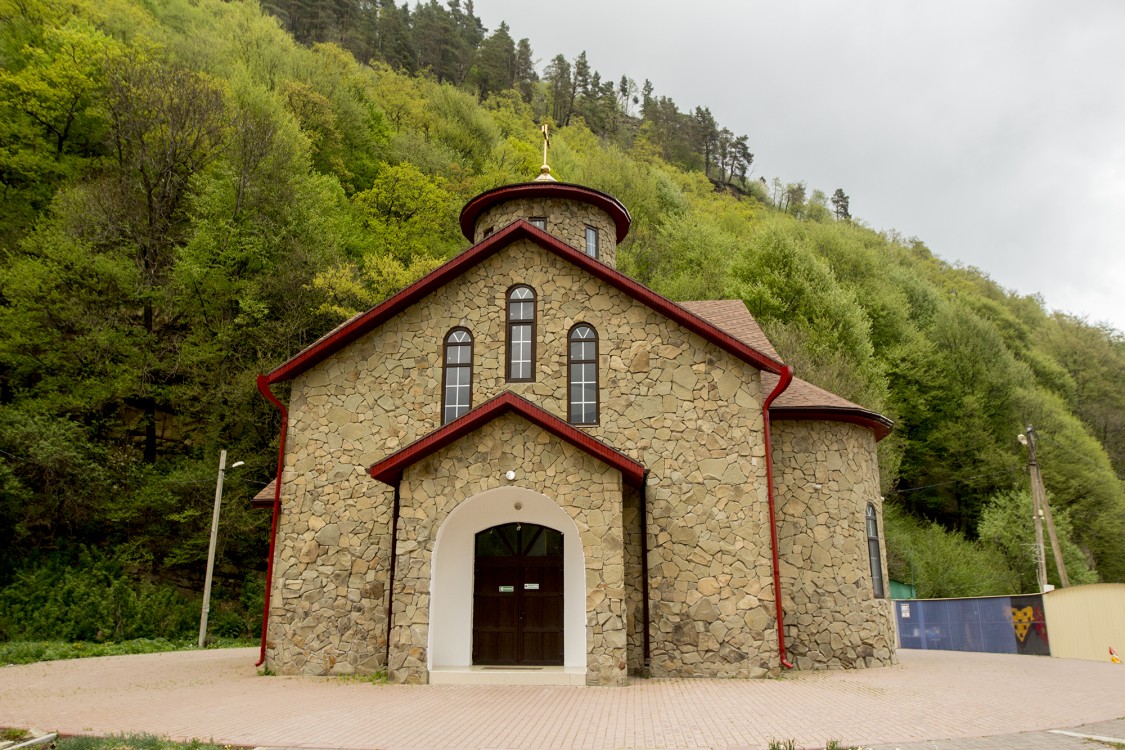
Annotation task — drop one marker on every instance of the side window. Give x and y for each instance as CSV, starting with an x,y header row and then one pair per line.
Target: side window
x,y
591,242
457,375
488,232
538,221
582,374
521,333
873,551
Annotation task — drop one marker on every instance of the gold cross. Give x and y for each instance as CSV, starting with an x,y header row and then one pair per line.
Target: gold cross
x,y
545,171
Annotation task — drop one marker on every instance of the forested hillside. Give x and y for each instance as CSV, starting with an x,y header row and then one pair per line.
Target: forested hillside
x,y
193,190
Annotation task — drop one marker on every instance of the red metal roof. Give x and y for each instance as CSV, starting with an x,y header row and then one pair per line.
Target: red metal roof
x,y
390,469
490,198
361,324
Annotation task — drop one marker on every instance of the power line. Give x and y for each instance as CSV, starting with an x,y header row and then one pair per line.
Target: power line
x,y
954,481
1073,453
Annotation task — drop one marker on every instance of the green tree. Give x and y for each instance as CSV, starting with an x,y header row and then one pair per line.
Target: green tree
x,y
1006,522
495,66
840,205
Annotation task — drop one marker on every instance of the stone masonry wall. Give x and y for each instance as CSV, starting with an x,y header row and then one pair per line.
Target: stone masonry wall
x,y
587,489
825,474
328,609
690,412
566,220
634,603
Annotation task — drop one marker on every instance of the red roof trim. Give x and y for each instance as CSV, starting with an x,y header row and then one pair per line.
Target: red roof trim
x,y
879,424
390,469
486,200
362,324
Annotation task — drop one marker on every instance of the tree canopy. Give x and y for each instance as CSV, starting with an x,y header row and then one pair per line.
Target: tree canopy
x,y
194,190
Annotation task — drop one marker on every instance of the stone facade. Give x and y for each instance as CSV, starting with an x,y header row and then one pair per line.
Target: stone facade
x,y
678,404
589,491
566,220
673,401
825,475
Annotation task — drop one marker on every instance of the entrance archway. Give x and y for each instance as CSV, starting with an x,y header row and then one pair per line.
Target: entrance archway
x,y
518,596
450,634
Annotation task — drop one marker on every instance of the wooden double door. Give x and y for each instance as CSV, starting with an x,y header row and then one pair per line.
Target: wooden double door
x,y
518,596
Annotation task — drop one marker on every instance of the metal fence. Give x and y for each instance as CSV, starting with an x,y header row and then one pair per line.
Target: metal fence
x,y
996,624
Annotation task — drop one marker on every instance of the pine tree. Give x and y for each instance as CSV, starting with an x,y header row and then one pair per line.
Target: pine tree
x,y
524,75
840,204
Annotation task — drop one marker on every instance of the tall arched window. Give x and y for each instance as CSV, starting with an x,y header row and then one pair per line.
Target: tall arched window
x,y
521,333
873,551
457,375
582,374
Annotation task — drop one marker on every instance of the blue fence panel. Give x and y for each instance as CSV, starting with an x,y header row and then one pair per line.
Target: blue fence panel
x,y
980,624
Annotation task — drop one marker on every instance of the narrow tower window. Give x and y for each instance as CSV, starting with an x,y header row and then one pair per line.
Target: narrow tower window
x,y
457,375
538,221
582,367
592,242
873,551
521,333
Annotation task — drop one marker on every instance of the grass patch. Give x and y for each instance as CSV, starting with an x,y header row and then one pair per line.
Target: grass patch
x,y
133,742
27,652
375,678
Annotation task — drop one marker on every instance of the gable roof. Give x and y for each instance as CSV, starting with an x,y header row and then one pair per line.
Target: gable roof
x,y
732,316
802,399
390,469
363,323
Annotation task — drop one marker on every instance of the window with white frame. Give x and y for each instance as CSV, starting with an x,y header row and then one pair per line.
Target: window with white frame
x,y
457,375
521,333
582,374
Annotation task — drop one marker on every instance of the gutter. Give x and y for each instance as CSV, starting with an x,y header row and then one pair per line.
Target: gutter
x,y
782,384
391,583
645,616
264,389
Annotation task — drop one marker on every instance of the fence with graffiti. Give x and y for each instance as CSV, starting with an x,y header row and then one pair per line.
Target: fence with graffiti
x,y
997,624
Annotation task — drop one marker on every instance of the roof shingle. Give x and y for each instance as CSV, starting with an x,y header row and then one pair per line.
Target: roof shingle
x,y
801,396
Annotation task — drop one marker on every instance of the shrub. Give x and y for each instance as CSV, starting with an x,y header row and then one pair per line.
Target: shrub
x,y
88,596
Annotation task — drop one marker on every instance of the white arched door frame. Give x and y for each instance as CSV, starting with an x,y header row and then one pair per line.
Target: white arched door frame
x,y
451,573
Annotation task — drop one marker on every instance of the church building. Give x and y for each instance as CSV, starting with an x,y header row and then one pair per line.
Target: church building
x,y
528,468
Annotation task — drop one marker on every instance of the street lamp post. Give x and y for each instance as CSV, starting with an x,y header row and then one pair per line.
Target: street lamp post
x,y
211,549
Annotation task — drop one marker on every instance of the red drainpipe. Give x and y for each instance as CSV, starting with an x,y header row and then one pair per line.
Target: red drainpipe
x,y
264,389
782,384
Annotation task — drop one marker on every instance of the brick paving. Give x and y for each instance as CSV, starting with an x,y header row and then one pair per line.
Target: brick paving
x,y
932,700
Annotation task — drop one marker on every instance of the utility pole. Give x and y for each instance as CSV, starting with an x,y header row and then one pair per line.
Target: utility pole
x,y
211,548
1042,510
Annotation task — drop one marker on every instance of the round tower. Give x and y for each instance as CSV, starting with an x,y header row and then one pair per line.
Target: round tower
x,y
588,220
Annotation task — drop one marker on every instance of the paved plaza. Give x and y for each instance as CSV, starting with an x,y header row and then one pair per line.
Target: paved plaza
x,y
932,700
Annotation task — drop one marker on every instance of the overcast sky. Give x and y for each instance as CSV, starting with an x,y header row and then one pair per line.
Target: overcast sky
x,y
993,131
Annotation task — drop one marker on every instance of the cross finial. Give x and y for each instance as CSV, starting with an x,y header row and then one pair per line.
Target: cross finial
x,y
545,171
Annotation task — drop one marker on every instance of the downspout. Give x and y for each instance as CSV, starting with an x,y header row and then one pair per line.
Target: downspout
x,y
782,384
264,389
391,572
644,569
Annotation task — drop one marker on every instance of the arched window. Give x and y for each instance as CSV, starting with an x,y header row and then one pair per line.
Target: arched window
x,y
457,375
873,551
521,333
582,374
